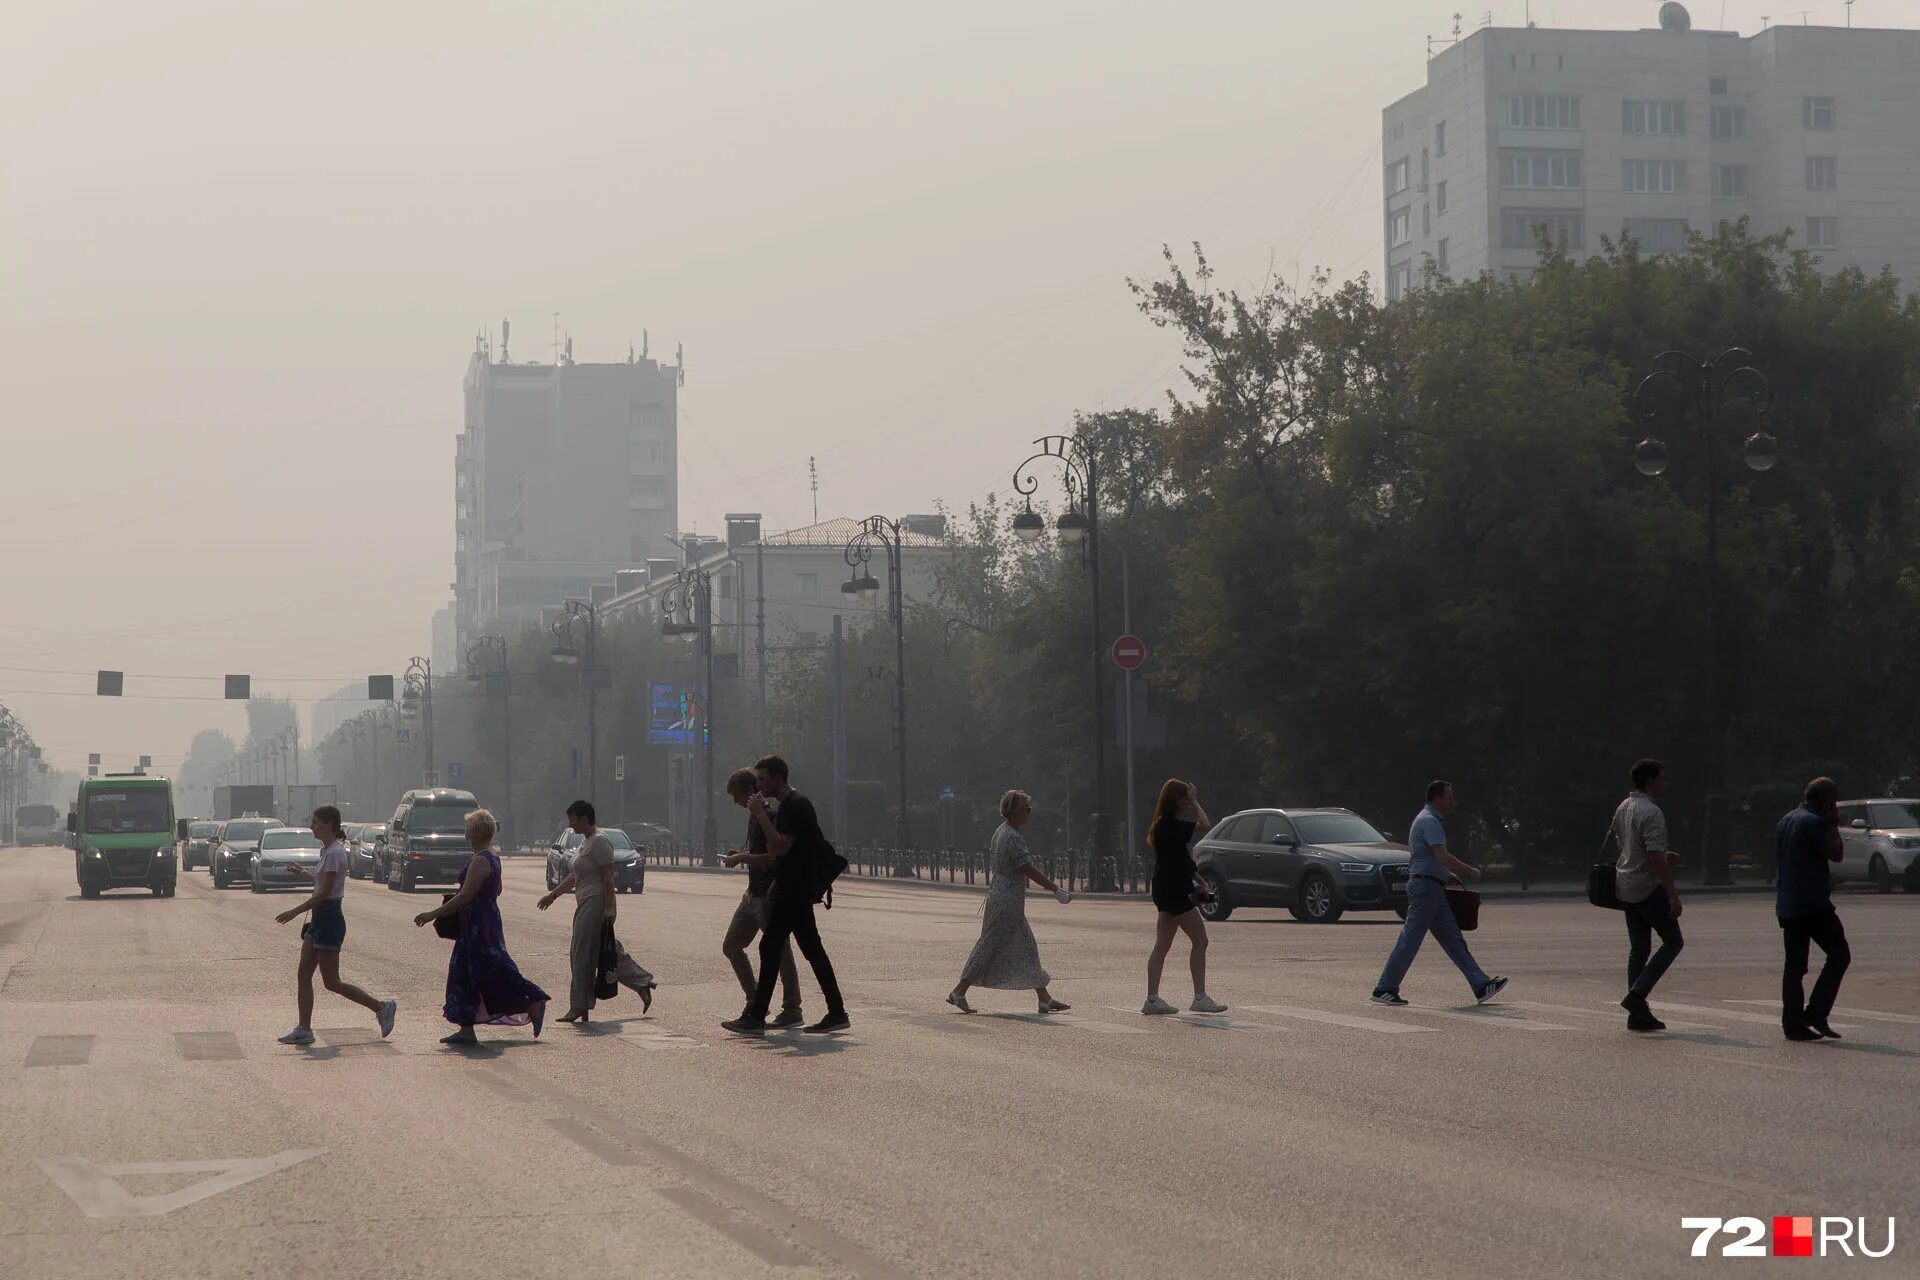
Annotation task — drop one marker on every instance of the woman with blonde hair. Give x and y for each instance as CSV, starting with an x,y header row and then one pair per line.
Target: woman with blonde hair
x,y
483,983
1006,957
1178,821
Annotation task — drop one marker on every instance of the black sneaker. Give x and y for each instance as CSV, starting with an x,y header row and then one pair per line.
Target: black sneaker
x,y
1800,1033
1386,997
746,1025
1642,1019
787,1018
1820,1028
832,1022
1493,988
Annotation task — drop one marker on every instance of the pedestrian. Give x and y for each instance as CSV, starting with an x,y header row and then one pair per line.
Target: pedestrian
x,y
1006,957
1178,821
1427,908
483,983
325,931
1804,843
1643,881
595,905
751,916
794,839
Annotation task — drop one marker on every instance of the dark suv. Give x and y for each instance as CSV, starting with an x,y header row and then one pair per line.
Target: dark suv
x,y
1317,863
200,841
426,841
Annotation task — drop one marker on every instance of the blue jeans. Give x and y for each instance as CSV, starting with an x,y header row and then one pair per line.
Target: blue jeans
x,y
1427,912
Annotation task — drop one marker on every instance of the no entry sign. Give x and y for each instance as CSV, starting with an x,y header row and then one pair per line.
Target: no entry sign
x,y
1129,652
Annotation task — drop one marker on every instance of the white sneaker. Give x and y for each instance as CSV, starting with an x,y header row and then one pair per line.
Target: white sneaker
x,y
387,1009
299,1035
1204,1003
1155,1005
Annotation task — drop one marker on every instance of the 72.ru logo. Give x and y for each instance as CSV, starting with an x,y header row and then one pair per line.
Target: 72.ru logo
x,y
1802,1237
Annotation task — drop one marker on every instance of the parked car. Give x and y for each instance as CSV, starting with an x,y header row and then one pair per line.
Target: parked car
x,y
198,850
1879,844
1317,863
629,863
281,850
426,842
360,841
646,835
234,847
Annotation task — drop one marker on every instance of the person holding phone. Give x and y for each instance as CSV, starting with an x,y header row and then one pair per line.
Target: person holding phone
x,y
1006,957
1178,822
1805,843
751,917
322,936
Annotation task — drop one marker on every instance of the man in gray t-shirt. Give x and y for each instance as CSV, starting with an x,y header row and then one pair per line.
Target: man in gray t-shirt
x,y
1643,880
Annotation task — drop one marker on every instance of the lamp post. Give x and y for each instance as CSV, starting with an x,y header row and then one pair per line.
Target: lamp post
x,y
417,699
1700,388
576,642
686,610
861,585
1079,525
487,661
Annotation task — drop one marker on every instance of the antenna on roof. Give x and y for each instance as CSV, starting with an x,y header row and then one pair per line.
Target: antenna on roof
x,y
506,331
556,337
643,344
680,363
1849,15
813,478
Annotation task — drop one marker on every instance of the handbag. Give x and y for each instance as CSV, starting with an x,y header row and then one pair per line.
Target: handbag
x,y
447,927
606,980
1603,882
1465,905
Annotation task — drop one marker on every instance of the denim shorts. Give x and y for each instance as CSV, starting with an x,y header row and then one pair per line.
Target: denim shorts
x,y
327,928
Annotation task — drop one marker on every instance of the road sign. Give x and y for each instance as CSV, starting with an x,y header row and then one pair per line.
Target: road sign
x,y
403,735
946,793
146,762
431,778
619,768
1129,652
453,770
93,757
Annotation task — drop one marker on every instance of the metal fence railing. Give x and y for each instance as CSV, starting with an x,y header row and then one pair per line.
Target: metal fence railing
x,y
947,866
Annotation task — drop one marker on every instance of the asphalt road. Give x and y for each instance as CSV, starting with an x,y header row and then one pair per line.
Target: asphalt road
x,y
1304,1133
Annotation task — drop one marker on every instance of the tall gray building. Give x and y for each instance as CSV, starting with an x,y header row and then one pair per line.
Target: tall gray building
x,y
564,474
1652,133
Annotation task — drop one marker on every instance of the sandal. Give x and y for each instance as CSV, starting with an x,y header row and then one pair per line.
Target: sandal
x,y
959,1002
1054,1006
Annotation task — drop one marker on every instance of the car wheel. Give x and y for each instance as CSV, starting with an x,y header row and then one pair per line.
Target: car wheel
x,y
551,883
407,882
1218,907
1313,901
253,885
1878,873
89,891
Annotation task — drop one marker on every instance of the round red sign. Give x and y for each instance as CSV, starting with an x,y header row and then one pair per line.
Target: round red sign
x,y
1129,652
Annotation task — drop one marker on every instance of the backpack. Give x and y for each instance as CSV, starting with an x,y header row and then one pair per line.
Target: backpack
x,y
827,866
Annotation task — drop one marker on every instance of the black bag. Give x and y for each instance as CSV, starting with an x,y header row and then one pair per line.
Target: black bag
x,y
827,866
447,927
1602,880
1465,905
606,978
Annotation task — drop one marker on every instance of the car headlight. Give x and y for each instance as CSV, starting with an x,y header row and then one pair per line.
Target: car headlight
x,y
1906,842
164,851
93,853
1360,867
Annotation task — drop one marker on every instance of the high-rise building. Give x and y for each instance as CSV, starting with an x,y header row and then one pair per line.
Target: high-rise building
x,y
1650,134
564,474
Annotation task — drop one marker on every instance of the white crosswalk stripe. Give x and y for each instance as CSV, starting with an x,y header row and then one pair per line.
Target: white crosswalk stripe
x,y
1491,1019
1905,1019
1618,1016
1340,1019
1735,1015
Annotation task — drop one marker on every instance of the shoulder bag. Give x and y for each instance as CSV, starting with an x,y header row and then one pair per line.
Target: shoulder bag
x,y
1602,879
447,927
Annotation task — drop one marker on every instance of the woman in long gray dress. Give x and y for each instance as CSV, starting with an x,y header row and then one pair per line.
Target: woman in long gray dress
x,y
1006,957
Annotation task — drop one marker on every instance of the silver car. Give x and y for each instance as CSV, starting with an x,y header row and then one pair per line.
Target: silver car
x,y
1879,844
1317,863
282,850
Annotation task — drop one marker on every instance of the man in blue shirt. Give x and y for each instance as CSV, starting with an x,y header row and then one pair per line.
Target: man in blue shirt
x,y
1427,909
1806,841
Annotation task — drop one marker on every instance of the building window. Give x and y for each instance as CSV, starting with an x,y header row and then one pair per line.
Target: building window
x,y
1440,259
1729,122
1399,280
1397,177
1823,173
1399,227
1440,138
1658,235
1542,111
1817,113
647,486
1823,233
1395,132
1440,196
1653,117
1717,85
1730,181
1426,221
726,586
806,586
1545,170
1519,228
1656,177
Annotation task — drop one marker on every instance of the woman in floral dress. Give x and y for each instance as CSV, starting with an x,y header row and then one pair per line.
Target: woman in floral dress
x,y
1006,957
483,983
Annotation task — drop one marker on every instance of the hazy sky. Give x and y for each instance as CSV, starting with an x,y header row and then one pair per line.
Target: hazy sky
x,y
245,248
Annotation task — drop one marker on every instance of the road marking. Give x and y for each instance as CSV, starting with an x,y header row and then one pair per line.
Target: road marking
x,y
657,1040
207,1046
60,1051
930,1021
1492,1020
590,1138
1870,1015
754,1238
1211,1021
1339,1019
96,1189
1737,1015
341,1039
1535,1007
1068,1020
1742,1062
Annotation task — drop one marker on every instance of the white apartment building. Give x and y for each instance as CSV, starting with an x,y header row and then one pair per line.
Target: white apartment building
x,y
1651,133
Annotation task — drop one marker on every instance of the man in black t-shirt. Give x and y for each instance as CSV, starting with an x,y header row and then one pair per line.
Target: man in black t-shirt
x,y
793,838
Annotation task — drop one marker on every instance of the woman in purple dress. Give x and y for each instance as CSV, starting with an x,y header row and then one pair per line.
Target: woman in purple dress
x,y
483,984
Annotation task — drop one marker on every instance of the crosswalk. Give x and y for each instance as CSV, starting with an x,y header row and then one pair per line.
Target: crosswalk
x,y
1523,1017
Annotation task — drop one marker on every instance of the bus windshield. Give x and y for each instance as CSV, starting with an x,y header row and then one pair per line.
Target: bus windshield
x,y
116,812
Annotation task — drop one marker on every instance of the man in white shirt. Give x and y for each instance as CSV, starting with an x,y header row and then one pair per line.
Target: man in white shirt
x,y
1643,880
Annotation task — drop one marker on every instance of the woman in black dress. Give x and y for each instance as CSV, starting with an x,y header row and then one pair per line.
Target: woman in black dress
x,y
1178,821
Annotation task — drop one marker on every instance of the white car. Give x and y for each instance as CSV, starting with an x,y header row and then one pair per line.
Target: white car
x,y
1880,843
281,850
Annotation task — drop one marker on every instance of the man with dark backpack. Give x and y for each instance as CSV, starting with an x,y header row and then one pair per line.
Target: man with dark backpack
x,y
800,856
